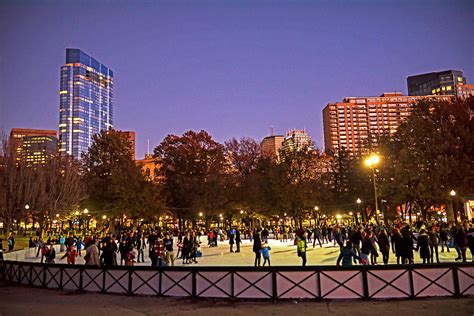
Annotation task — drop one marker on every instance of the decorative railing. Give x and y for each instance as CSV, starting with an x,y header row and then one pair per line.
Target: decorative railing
x,y
282,282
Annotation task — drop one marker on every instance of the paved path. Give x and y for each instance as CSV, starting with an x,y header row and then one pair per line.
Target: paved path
x,y
282,254
20,300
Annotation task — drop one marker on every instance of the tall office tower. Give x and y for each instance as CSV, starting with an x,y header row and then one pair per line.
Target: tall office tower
x,y
296,140
436,83
130,136
270,146
34,146
86,101
357,123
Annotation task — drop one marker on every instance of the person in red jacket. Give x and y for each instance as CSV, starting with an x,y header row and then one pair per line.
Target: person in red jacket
x,y
71,255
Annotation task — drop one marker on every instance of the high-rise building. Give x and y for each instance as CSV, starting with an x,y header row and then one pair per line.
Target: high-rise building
x,y
270,146
86,101
436,83
34,146
130,136
296,140
357,123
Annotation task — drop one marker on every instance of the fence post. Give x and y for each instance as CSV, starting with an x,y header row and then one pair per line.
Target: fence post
x,y
232,292
274,285
365,282
130,281
61,270
410,278
104,272
81,278
44,276
457,292
193,278
160,283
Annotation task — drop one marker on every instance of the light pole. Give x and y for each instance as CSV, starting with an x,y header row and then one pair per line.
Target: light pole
x,y
453,194
372,161
359,210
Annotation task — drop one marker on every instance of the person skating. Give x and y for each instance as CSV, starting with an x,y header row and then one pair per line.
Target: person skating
x,y
347,255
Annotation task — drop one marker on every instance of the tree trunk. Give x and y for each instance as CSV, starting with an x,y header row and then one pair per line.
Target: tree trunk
x,y
450,211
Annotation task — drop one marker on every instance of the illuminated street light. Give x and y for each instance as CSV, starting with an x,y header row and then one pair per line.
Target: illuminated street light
x,y
200,214
452,193
338,216
86,211
316,208
57,215
76,213
372,161
27,207
241,212
359,201
104,216
350,213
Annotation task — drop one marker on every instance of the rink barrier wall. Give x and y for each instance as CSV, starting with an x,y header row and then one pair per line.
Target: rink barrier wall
x,y
273,283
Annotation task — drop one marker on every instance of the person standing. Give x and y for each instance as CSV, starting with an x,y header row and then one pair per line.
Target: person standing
x,y
316,236
423,246
50,255
444,237
434,237
108,252
238,241
460,242
231,239
92,254
11,242
470,240
384,245
257,246
301,246
168,242
266,253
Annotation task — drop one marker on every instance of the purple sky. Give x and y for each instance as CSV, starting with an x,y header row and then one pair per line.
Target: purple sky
x,y
233,68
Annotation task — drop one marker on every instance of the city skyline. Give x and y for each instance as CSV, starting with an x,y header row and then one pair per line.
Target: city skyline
x,y
200,67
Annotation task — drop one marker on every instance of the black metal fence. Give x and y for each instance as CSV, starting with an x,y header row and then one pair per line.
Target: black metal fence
x,y
282,282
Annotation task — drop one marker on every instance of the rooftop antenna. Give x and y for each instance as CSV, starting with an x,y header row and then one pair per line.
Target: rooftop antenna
x,y
271,130
148,147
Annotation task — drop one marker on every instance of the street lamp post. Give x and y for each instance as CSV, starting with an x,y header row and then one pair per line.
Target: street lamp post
x,y
453,194
359,210
372,161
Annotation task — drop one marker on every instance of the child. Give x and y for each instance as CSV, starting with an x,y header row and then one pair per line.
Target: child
x,y
266,253
71,255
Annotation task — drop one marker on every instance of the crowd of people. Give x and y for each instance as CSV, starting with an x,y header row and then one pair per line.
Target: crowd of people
x,y
367,243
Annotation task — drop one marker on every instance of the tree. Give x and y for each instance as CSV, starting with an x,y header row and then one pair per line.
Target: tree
x,y
17,185
430,154
193,168
58,189
114,183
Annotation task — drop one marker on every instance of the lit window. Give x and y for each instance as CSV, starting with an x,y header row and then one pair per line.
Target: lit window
x,y
448,88
63,92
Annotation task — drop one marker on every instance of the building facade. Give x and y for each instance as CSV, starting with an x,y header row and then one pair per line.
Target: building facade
x,y
436,83
130,136
296,140
86,101
271,145
34,146
357,123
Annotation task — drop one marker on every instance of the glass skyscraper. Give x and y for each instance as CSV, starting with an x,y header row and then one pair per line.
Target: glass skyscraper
x,y
86,101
